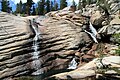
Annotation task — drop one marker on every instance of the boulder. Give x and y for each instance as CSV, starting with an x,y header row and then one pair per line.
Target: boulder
x,y
75,75
97,19
112,28
116,20
69,8
89,70
111,61
89,10
61,13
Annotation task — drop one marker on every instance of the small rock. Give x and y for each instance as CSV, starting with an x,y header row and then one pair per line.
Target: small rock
x,y
97,19
115,21
76,74
77,54
104,23
110,72
87,58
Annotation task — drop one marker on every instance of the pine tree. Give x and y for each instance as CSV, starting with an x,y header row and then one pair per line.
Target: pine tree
x,y
52,6
9,9
33,11
55,5
19,7
83,3
103,4
5,6
41,5
24,9
74,5
79,5
29,5
89,2
47,6
63,4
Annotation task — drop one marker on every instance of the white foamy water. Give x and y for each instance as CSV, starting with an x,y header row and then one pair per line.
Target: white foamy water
x,y
93,30
93,33
36,63
73,64
93,37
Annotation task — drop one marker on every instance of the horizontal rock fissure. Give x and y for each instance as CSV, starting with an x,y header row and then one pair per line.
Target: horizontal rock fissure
x,y
12,46
13,35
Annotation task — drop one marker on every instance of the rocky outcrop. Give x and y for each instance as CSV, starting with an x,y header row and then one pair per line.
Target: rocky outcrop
x,y
92,69
15,46
61,39
112,28
96,19
106,25
76,74
114,6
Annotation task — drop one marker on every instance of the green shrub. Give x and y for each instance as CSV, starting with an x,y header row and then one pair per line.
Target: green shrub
x,y
116,38
117,51
23,15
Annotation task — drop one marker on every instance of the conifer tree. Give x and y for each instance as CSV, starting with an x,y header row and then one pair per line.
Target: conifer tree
x,y
24,8
48,6
33,11
5,6
55,5
19,7
88,2
79,5
41,5
83,2
63,4
9,9
29,5
52,6
74,5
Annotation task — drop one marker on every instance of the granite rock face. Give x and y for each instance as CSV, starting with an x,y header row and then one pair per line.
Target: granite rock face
x,y
15,45
64,35
60,40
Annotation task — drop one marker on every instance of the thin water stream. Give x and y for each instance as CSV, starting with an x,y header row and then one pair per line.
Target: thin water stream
x,y
36,64
93,32
73,64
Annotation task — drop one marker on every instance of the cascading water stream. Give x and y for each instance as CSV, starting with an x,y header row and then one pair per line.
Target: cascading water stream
x,y
93,32
35,55
73,64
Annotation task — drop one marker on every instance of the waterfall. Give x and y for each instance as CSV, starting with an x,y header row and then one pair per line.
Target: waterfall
x,y
93,32
94,38
73,64
35,55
